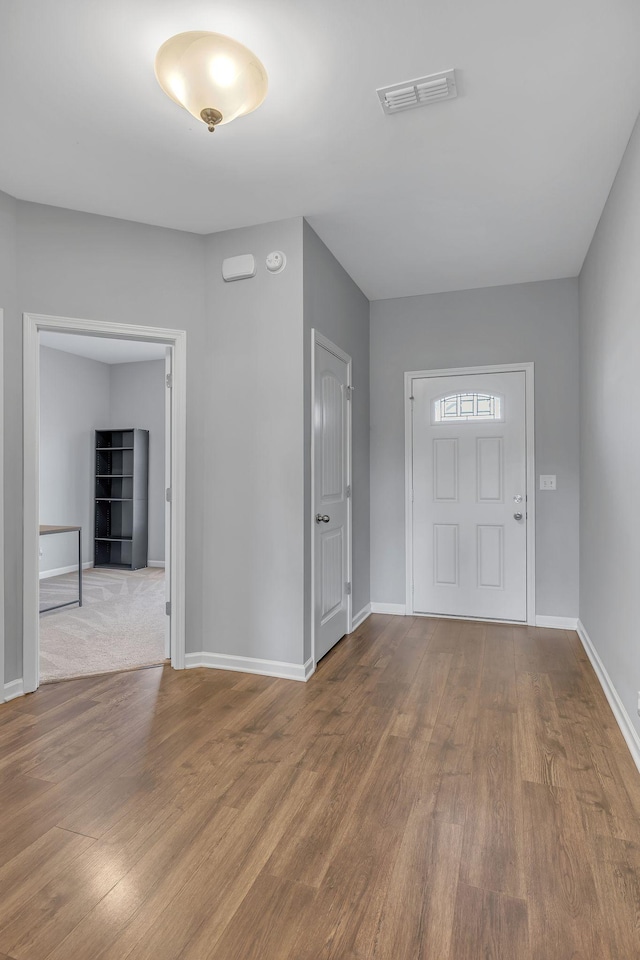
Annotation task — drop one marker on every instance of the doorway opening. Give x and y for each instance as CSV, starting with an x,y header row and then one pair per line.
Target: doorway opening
x,y
470,495
104,433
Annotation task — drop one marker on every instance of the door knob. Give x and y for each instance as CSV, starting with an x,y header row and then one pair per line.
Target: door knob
x,y
322,518
517,516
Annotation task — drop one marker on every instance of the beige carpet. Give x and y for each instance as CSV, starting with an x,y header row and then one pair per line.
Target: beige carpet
x,y
120,625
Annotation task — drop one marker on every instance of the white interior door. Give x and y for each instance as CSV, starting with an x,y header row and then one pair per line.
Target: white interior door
x,y
330,507
469,496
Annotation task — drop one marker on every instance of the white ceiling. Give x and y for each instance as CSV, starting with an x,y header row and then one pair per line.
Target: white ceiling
x,y
103,349
504,184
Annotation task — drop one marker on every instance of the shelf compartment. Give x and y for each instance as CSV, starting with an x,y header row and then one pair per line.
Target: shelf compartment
x,y
114,488
113,553
114,462
114,439
114,520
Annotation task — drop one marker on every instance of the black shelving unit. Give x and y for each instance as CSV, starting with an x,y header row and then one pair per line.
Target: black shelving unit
x,y
121,498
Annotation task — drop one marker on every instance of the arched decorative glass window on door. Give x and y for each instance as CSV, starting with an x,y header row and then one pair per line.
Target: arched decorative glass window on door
x,y
459,407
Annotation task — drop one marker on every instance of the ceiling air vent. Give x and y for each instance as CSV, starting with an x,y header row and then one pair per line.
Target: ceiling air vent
x,y
417,93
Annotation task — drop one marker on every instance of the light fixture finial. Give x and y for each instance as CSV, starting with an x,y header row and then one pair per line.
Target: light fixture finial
x,y
211,117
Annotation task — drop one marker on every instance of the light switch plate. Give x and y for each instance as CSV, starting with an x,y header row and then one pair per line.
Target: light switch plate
x,y
547,481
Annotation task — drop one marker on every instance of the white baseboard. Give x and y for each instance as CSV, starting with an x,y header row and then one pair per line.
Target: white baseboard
x,y
360,617
629,732
45,574
400,610
155,563
558,623
13,689
266,668
396,609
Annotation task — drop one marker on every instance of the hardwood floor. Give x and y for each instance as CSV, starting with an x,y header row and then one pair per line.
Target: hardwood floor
x,y
439,789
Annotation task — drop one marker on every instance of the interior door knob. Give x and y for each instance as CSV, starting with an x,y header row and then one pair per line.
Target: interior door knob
x,y
517,516
322,518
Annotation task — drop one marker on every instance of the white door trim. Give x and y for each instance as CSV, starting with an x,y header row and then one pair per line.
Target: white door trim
x,y
2,690
32,325
168,406
318,340
528,370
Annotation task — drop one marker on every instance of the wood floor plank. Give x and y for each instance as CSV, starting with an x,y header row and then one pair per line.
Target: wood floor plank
x,y
267,922
541,749
489,926
306,852
166,856
451,747
418,712
565,916
353,889
416,920
439,788
605,809
31,870
380,652
498,681
493,853
197,921
618,893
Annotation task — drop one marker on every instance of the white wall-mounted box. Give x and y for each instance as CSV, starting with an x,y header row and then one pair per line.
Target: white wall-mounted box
x,y
239,268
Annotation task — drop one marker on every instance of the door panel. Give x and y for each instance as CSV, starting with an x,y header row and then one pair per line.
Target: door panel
x,y
489,469
490,555
469,468
445,470
332,587
331,504
445,549
332,428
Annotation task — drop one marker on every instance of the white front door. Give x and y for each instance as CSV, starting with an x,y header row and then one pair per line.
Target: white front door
x,y
469,496
330,507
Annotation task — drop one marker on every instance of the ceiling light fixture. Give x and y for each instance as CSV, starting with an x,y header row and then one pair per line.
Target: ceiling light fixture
x,y
212,76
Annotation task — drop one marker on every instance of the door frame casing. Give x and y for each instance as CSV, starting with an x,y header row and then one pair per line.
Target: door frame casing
x,y
318,340
528,370
2,444
177,339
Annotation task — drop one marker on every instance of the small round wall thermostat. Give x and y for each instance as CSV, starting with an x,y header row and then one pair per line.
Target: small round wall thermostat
x,y
276,261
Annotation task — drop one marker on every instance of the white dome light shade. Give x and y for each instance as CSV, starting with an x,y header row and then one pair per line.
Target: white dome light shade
x,y
212,76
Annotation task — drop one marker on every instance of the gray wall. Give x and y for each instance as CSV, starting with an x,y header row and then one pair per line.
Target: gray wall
x,y
81,265
253,457
137,399
78,396
246,458
526,322
335,306
610,437
11,437
74,401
